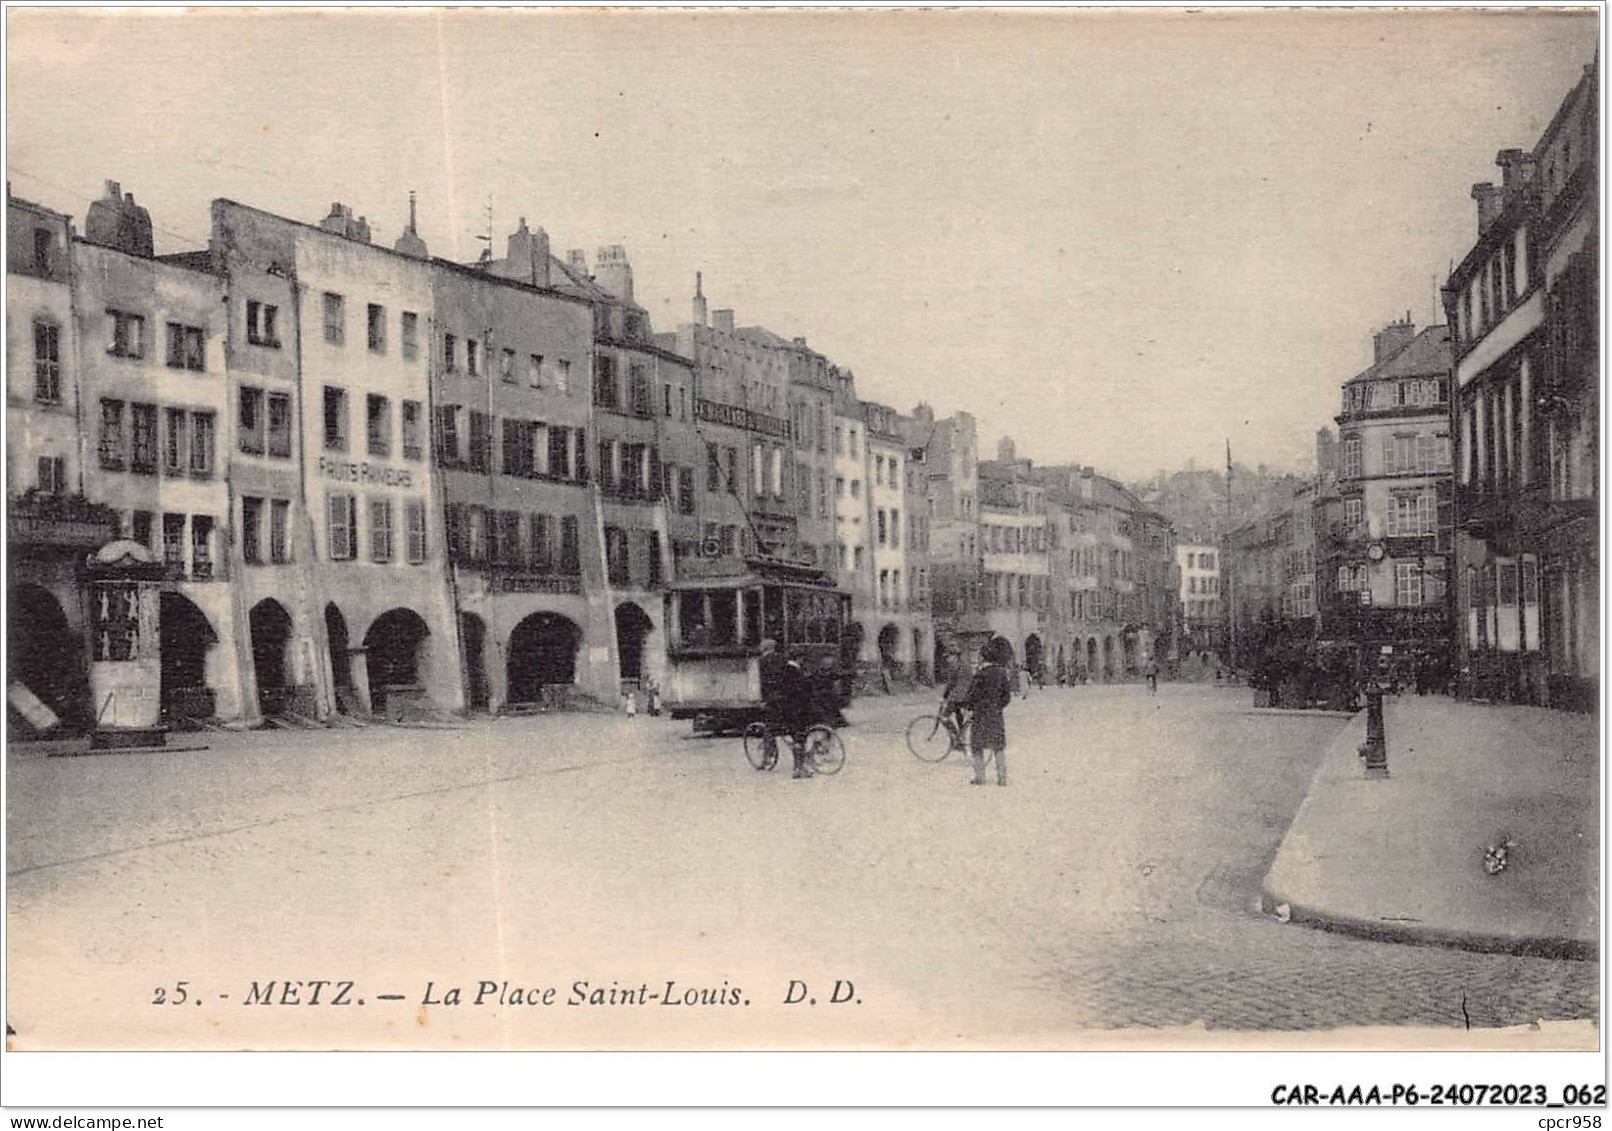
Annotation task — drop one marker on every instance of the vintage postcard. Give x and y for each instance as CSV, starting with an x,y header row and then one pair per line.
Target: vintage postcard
x,y
559,529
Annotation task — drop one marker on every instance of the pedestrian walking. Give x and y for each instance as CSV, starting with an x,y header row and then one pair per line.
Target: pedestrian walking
x,y
1152,673
988,696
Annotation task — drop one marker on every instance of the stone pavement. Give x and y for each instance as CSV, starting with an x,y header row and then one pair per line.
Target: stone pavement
x,y
1404,858
1114,886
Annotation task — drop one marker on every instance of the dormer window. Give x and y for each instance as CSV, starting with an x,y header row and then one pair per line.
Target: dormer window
x,y
260,324
44,246
128,334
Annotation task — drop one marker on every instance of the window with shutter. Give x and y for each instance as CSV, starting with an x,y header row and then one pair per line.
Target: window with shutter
x,y
414,511
340,522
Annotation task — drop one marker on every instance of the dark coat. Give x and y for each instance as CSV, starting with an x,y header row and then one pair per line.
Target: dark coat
x,y
988,695
786,691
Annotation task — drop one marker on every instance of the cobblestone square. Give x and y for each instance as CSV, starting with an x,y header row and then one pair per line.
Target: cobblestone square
x,y
1113,885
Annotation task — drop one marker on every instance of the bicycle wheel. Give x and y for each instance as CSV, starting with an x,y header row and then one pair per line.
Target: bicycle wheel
x,y
756,746
930,737
826,751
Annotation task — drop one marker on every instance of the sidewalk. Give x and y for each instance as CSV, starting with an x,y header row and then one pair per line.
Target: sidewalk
x,y
1403,859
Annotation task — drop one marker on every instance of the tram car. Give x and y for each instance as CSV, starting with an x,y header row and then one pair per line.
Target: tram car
x,y
715,625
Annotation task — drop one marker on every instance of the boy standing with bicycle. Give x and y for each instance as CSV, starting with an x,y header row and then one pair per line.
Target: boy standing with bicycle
x,y
955,697
988,696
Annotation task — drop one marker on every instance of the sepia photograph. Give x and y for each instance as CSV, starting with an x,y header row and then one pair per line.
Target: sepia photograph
x,y
806,530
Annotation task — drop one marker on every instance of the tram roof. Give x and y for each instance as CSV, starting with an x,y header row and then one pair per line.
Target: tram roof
x,y
726,574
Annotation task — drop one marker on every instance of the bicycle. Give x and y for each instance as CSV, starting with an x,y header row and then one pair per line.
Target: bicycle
x,y
932,738
825,752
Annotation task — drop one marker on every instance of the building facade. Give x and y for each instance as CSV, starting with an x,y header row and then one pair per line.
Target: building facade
x,y
957,602
918,505
740,395
155,392
1115,558
628,470
285,653
1202,616
1525,308
51,526
1013,545
853,544
893,618
376,512
812,380
512,423
1386,545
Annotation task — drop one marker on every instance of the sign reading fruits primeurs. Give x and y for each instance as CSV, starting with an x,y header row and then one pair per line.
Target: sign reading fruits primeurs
x,y
346,471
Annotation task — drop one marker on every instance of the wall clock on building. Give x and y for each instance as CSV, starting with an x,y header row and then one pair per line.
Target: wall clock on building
x,y
1375,551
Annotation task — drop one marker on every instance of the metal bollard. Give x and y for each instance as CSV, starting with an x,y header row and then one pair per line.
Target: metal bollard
x,y
1375,749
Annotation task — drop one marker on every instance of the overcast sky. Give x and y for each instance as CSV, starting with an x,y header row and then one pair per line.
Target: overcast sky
x,y
1120,237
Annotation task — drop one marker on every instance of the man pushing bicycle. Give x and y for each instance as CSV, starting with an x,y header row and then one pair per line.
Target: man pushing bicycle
x,y
787,694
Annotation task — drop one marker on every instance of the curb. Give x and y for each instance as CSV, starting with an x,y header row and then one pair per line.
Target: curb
x,y
1402,931
1396,931
1298,713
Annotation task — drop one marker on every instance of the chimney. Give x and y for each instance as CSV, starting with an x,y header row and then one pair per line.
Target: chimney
x,y
526,256
1491,201
722,320
410,243
1005,450
801,342
574,258
1516,170
1391,339
1326,449
699,299
612,271
342,222
116,221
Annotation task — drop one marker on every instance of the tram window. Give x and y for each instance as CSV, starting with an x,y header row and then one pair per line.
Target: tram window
x,y
797,617
691,619
752,616
724,617
820,619
773,614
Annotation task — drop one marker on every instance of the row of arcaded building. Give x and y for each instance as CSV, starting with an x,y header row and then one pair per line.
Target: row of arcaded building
x,y
300,473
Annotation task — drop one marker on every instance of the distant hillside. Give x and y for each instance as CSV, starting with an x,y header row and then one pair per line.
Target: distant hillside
x,y
1195,501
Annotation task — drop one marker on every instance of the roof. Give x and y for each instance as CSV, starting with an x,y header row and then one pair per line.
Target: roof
x,y
1425,355
323,231
765,337
479,272
35,206
559,269
194,262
